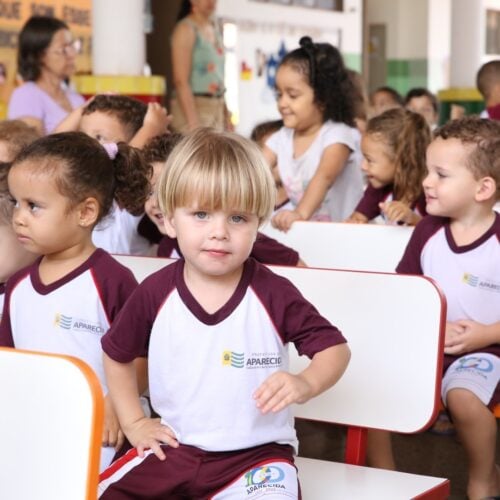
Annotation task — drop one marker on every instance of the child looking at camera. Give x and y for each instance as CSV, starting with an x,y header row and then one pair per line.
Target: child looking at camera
x,y
214,307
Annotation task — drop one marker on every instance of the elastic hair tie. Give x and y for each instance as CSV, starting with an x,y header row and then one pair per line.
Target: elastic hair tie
x,y
111,148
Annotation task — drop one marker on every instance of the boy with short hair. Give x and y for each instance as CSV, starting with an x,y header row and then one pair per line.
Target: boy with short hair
x,y
488,84
266,250
458,246
14,136
199,320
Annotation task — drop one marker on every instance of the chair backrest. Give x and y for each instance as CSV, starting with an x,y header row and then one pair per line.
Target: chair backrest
x,y
395,328
364,247
50,427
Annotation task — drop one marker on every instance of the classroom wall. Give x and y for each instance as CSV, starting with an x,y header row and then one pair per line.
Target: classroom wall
x,y
258,32
406,40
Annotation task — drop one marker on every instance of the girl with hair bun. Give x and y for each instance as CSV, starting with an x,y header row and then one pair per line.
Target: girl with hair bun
x,y
317,150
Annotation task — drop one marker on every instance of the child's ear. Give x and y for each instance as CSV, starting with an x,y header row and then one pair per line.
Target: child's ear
x,y
88,212
487,188
169,224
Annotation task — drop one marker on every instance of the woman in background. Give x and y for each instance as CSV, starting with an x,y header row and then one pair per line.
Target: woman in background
x,y
46,60
198,69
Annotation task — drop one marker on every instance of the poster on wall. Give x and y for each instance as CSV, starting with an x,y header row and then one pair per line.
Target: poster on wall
x,y
13,14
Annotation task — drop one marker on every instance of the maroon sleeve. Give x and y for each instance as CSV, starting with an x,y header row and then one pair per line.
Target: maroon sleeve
x,y
269,251
420,205
296,319
166,246
6,339
410,262
115,283
368,205
128,336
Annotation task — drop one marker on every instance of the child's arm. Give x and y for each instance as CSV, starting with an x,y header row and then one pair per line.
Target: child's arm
x,y
357,218
282,388
142,432
466,335
397,211
331,164
71,122
156,122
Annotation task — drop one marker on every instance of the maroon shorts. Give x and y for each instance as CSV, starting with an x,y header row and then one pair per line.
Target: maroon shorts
x,y
186,473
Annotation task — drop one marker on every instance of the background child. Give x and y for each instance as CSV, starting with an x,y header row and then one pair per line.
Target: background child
x,y
425,103
265,249
393,147
317,150
62,185
13,256
260,134
215,191
384,98
488,84
114,119
14,136
458,246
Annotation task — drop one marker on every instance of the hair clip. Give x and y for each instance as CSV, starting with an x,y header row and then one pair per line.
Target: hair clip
x,y
111,148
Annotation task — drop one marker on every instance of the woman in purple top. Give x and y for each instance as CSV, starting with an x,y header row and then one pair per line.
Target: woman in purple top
x,y
46,60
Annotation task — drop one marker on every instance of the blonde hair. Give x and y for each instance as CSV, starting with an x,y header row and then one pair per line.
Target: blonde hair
x,y
217,170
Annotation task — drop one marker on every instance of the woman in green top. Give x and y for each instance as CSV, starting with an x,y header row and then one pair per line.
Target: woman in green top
x,y
198,69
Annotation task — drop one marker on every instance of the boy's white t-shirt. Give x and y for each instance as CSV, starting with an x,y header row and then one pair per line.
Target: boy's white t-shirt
x,y
296,173
117,233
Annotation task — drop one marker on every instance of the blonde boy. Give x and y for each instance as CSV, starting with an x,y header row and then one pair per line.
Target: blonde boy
x,y
458,246
214,326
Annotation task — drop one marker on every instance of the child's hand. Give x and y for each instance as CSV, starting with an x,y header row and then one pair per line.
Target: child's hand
x,y
464,336
156,119
284,219
112,434
280,390
397,211
148,433
357,218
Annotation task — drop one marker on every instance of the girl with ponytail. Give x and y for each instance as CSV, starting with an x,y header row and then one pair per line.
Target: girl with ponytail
x,y
394,147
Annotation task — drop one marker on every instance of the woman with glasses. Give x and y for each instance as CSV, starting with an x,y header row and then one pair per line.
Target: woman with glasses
x,y
46,61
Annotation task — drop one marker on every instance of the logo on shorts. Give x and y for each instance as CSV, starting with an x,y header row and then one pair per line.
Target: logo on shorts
x,y
267,476
478,282
234,359
476,363
77,325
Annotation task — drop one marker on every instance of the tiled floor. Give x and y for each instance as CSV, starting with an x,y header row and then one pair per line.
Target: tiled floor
x,y
425,453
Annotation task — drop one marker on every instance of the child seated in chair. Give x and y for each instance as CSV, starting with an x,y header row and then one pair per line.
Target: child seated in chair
x,y
458,246
215,326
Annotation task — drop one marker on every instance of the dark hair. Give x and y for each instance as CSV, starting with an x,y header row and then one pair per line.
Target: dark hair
x,y
34,38
82,168
488,75
395,95
324,69
159,147
128,111
484,135
265,128
184,10
422,92
17,135
6,205
407,135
